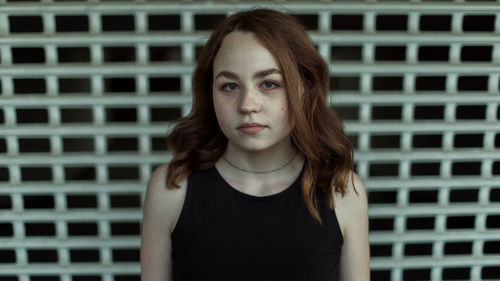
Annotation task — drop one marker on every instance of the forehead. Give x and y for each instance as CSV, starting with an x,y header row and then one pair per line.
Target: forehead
x,y
241,52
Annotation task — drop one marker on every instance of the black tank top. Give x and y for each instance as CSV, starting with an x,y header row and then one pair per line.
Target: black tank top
x,y
224,234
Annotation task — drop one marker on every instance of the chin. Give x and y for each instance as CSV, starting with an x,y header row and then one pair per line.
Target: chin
x,y
255,146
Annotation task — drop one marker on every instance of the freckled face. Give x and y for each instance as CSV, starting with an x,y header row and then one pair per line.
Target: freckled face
x,y
249,95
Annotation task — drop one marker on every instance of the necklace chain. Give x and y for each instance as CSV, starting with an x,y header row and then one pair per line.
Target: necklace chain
x,y
261,172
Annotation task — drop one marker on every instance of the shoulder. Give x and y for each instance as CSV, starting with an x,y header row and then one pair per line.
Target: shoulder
x,y
352,213
355,198
164,204
352,207
161,210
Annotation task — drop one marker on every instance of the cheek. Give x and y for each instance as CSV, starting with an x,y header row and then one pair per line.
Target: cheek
x,y
220,104
216,101
222,110
284,114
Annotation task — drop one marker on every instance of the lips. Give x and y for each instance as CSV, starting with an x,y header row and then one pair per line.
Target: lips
x,y
251,128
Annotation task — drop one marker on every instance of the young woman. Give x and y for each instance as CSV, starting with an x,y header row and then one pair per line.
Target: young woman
x,y
261,185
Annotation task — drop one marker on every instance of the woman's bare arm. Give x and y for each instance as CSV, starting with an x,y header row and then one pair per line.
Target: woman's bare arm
x,y
162,207
352,212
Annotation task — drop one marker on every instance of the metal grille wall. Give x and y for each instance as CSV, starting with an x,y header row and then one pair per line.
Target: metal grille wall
x,y
88,90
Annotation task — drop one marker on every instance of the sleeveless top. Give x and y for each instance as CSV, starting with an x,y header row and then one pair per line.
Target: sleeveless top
x,y
225,234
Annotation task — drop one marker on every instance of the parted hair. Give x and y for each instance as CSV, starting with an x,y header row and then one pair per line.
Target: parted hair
x,y
197,142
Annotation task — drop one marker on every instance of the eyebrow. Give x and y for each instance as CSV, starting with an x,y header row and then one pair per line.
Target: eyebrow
x,y
257,75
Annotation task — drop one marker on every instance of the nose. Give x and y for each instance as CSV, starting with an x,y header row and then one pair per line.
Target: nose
x,y
250,100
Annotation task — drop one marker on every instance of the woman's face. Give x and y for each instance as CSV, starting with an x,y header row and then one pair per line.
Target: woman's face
x,y
249,95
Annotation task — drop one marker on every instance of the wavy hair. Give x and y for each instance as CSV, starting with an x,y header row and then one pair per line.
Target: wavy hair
x,y
197,142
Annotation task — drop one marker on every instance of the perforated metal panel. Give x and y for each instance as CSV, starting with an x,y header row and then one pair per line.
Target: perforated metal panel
x,y
88,90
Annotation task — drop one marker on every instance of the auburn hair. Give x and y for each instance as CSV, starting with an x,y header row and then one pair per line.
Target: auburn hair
x,y
197,142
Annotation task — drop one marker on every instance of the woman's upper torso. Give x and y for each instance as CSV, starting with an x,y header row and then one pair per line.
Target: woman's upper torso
x,y
225,234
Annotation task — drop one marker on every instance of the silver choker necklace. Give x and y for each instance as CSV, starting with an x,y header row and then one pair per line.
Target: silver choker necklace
x,y
260,172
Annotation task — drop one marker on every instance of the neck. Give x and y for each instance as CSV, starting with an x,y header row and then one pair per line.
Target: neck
x,y
267,161
260,183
